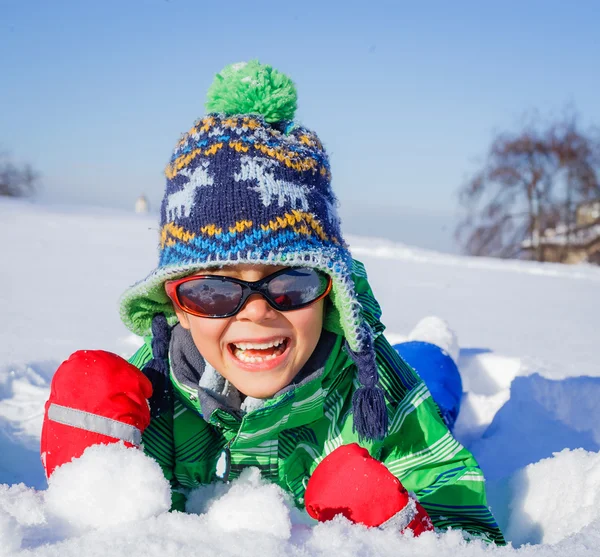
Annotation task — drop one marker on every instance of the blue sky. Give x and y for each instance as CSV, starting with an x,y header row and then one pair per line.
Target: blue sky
x,y
405,95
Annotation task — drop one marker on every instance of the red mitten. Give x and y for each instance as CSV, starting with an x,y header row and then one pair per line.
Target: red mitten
x,y
349,481
96,397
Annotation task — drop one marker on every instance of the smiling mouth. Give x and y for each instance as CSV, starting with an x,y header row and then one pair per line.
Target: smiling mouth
x,y
257,352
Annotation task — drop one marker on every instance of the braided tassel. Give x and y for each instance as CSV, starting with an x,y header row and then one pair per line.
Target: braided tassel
x,y
368,402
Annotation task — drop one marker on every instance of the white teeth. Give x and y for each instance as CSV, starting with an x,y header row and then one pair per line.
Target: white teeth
x,y
241,347
252,359
259,346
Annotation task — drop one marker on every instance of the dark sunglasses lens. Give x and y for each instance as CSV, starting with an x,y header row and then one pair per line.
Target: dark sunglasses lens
x,y
210,296
297,287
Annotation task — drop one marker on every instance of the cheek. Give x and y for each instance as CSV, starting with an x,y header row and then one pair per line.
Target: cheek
x,y
207,334
308,323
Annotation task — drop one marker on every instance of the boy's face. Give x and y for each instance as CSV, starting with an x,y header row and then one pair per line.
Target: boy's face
x,y
259,350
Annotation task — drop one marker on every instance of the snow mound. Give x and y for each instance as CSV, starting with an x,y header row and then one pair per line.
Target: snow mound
x,y
541,417
554,498
108,485
486,378
436,331
254,505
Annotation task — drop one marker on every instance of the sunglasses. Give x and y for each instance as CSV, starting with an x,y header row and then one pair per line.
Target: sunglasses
x,y
216,296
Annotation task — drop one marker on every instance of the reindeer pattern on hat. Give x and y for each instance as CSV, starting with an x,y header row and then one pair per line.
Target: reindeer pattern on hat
x,y
257,170
180,202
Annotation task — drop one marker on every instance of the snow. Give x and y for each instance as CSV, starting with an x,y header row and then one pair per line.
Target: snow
x,y
528,359
436,331
542,492
108,485
237,509
540,418
10,534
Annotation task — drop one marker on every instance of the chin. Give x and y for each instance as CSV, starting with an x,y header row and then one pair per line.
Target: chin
x,y
260,391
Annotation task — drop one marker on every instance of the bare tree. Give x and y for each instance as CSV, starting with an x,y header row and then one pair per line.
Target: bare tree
x,y
531,182
16,181
578,161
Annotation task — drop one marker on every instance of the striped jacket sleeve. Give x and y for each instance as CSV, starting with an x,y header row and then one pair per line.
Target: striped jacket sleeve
x,y
157,438
422,453
419,450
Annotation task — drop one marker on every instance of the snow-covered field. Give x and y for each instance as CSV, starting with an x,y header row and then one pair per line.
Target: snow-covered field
x,y
531,410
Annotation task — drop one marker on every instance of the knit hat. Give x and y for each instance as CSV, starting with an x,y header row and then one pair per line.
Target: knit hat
x,y
247,184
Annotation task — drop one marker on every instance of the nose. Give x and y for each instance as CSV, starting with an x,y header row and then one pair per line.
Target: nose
x,y
256,309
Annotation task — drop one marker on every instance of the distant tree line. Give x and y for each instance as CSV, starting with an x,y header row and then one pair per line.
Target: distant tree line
x,y
528,198
16,180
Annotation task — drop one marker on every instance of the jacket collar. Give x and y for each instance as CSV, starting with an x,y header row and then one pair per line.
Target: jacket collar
x,y
204,390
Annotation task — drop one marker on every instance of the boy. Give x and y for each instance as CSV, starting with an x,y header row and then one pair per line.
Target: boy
x,y
263,341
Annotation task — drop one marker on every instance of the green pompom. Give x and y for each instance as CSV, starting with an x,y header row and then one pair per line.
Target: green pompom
x,y
253,88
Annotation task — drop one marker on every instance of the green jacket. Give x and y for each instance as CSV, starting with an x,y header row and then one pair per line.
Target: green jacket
x,y
292,432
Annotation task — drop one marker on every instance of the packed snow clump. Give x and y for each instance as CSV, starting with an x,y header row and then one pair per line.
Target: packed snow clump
x,y
108,485
252,504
